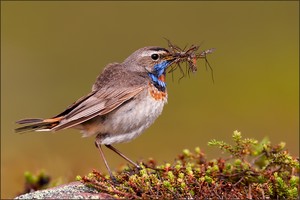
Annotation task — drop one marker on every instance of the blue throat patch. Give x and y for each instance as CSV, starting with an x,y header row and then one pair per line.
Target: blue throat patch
x,y
159,69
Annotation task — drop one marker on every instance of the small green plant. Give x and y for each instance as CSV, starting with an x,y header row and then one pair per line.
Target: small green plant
x,y
252,170
262,164
38,181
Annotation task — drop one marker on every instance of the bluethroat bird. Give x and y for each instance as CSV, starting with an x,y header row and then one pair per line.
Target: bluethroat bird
x,y
125,100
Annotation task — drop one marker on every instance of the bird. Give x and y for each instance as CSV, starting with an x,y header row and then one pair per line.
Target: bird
x,y
125,100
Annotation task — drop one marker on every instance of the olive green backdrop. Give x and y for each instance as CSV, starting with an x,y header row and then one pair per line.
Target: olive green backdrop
x,y
51,53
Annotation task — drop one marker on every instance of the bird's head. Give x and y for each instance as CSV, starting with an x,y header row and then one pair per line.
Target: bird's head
x,y
152,60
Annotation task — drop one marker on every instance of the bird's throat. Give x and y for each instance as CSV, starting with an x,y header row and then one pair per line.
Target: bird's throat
x,y
158,76
159,81
162,78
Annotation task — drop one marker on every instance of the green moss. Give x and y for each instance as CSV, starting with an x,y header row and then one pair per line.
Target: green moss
x,y
197,150
253,169
39,180
294,181
186,152
78,178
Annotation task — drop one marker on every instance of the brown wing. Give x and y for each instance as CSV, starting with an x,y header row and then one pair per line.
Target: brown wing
x,y
98,103
114,86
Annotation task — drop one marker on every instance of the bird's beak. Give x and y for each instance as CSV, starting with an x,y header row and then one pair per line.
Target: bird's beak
x,y
169,58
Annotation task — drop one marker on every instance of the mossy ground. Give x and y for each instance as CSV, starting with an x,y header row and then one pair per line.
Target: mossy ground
x,y
252,170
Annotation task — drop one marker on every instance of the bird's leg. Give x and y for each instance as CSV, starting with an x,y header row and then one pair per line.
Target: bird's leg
x,y
105,162
122,155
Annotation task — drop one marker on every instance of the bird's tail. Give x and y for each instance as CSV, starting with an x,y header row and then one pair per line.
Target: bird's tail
x,y
37,124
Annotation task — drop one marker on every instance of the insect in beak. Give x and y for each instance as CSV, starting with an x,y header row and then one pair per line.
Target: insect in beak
x,y
189,56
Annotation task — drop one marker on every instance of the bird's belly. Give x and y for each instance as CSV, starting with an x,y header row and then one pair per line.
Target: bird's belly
x,y
132,118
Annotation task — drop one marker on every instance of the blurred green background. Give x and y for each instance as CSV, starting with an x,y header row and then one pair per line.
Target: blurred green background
x,y
51,53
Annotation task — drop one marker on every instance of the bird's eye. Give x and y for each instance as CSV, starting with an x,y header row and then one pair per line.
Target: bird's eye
x,y
155,56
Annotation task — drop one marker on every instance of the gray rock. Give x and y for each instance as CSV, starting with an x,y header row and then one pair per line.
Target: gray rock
x,y
73,190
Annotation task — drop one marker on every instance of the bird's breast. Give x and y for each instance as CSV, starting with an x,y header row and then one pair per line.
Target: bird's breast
x,y
156,94
131,119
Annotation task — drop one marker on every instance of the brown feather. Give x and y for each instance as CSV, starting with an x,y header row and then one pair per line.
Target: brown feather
x,y
114,86
100,103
